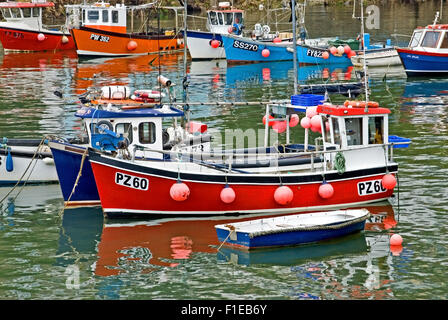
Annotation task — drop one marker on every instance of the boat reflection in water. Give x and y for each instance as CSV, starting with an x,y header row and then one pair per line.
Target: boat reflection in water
x,y
125,245
280,70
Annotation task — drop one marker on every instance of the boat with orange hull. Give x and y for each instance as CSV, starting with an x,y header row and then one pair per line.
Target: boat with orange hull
x,y
103,32
24,30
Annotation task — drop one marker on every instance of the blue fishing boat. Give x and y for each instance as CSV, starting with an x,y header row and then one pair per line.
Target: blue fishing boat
x,y
427,52
245,50
115,129
292,229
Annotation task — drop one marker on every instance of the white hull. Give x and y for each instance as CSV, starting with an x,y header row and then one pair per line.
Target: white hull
x,y
41,169
380,58
200,48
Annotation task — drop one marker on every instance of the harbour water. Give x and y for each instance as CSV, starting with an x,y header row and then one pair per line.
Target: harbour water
x,y
50,253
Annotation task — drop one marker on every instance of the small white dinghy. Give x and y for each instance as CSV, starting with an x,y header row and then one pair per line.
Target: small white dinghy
x,y
292,229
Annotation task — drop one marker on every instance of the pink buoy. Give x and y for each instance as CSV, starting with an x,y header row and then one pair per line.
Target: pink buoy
x,y
277,40
293,120
179,191
305,123
266,73
265,53
283,195
333,50
325,55
270,122
132,45
396,240
214,43
326,190
311,112
316,123
227,195
230,29
347,49
279,126
388,181
40,37
64,39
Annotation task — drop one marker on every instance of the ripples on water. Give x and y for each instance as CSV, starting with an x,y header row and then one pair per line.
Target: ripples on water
x,y
178,259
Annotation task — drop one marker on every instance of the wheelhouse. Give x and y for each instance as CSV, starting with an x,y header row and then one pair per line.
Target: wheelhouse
x,y
219,20
432,37
29,14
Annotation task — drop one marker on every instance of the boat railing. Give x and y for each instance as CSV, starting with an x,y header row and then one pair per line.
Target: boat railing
x,y
225,159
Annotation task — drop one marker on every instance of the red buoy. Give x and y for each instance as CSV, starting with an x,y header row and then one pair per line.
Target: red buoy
x,y
326,190
227,195
132,45
265,53
214,43
40,37
179,191
388,181
283,195
325,55
294,120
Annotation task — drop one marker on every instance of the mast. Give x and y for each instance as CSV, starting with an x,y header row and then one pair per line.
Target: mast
x,y
294,40
366,82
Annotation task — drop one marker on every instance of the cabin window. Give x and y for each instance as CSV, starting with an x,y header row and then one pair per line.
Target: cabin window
x,y
15,13
353,129
336,131
6,13
147,132
220,18
93,15
445,41
326,134
431,39
415,39
376,130
105,15
115,16
125,129
228,18
26,12
238,17
213,18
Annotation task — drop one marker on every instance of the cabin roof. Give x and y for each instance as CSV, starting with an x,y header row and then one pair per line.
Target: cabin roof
x,y
337,110
435,27
166,111
25,5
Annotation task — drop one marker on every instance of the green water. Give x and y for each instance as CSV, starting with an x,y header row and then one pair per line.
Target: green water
x,y
47,253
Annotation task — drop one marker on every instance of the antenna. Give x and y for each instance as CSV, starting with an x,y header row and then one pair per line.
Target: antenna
x,y
366,82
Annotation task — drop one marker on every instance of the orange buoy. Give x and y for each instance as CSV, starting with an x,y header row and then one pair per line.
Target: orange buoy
x,y
325,55
132,45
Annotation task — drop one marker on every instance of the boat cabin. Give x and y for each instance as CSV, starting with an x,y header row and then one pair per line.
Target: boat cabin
x,y
219,20
432,38
100,15
24,13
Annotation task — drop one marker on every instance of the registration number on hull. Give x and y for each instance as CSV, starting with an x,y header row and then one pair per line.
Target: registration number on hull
x,y
130,181
366,188
245,46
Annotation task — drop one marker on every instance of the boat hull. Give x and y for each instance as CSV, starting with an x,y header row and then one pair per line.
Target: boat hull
x,y
245,50
25,169
277,238
27,40
423,62
254,192
95,43
68,160
378,58
199,45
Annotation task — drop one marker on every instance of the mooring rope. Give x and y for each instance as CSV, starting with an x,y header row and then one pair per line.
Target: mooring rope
x,y
232,230
84,155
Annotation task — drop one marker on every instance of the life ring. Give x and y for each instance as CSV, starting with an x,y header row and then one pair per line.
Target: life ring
x,y
361,104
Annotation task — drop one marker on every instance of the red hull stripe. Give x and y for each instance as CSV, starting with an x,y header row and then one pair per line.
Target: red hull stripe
x,y
423,53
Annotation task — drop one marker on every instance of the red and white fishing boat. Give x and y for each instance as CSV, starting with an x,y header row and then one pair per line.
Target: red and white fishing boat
x,y
100,29
24,30
353,165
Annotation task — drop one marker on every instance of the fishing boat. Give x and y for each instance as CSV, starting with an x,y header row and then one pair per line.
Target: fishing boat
x,y
292,229
24,30
203,45
116,128
352,165
246,50
427,52
100,29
